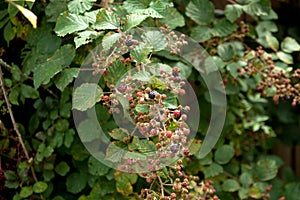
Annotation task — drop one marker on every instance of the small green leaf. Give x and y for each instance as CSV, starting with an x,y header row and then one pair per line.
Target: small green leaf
x,y
119,134
80,6
230,185
246,179
290,45
272,42
85,37
11,179
287,58
106,20
133,20
213,170
224,154
266,169
9,33
254,192
173,18
143,146
65,77
26,191
62,168
40,187
86,96
233,12
201,11
54,8
124,182
70,23
97,168
76,182
155,40
141,108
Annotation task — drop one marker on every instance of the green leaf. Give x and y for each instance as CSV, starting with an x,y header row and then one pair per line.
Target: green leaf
x,y
44,72
140,108
201,33
155,40
14,95
223,27
290,45
224,154
119,134
233,12
230,185
40,187
142,76
69,23
29,92
110,39
80,6
149,12
266,169
143,146
246,179
97,168
26,191
229,50
292,190
124,182
131,5
133,20
106,20
201,11
86,37
65,77
140,53
258,8
185,70
272,42
11,179
115,72
76,182
114,153
266,27
287,58
254,192
54,8
213,170
62,168
173,18
69,137
9,33
86,95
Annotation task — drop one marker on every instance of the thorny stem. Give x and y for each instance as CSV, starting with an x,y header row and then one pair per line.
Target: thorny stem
x,y
4,64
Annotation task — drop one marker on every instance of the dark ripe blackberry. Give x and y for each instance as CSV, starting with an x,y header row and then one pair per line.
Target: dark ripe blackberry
x,y
287,97
152,95
129,42
174,148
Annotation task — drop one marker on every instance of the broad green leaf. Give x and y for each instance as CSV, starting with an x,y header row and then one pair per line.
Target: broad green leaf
x,y
290,45
213,170
80,6
26,191
76,182
54,8
97,168
69,23
173,18
65,77
141,108
115,72
285,57
266,27
272,42
45,71
246,179
106,20
85,37
110,39
114,153
62,168
258,8
223,27
229,50
266,169
254,192
140,53
143,146
69,137
155,40
39,187
201,11
230,185
142,76
86,96
89,131
224,154
149,12
11,179
133,20
185,70
233,12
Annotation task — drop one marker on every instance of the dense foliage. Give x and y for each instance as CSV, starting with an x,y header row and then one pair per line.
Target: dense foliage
x,y
44,156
